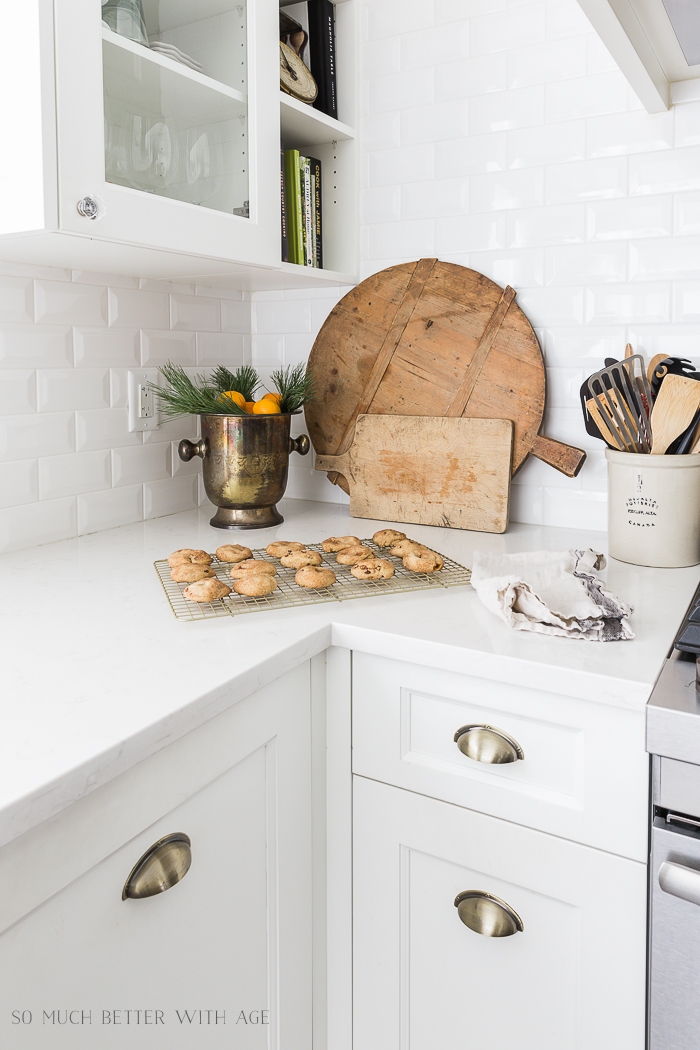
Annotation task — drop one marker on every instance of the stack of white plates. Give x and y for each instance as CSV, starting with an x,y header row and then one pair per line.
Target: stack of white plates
x,y
170,51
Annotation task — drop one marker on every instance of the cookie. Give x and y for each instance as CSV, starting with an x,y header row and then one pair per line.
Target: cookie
x,y
186,572
188,556
253,566
281,547
298,559
351,555
374,569
388,537
206,590
337,543
233,552
404,547
312,577
255,585
423,561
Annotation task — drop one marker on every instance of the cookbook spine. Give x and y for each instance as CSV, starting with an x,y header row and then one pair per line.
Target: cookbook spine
x,y
293,199
308,226
322,53
285,238
318,225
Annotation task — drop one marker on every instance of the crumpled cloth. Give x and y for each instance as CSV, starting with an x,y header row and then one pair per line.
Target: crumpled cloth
x,y
551,592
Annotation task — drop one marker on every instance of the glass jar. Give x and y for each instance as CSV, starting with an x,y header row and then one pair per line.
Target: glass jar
x,y
126,18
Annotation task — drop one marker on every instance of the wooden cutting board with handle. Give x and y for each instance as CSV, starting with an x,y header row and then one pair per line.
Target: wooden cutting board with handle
x,y
429,470
431,338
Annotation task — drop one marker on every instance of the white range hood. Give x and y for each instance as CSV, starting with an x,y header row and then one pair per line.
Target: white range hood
x,y
656,44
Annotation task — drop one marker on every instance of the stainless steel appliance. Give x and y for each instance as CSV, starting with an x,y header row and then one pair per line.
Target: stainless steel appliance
x,y
673,739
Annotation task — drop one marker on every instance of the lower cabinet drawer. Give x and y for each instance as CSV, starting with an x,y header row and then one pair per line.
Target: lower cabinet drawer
x,y
573,978
573,768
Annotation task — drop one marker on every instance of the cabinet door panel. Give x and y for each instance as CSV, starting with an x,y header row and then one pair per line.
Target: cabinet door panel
x,y
573,979
225,953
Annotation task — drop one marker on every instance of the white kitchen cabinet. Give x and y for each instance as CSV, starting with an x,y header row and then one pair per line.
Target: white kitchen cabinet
x,y
120,159
222,958
573,979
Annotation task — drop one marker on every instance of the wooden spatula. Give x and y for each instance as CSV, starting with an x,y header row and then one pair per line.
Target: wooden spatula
x,y
677,402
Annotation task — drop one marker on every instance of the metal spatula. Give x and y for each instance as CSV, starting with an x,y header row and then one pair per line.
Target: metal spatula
x,y
621,393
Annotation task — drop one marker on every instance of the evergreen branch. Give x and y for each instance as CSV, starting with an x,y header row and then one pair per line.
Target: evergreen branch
x,y
245,380
185,396
295,385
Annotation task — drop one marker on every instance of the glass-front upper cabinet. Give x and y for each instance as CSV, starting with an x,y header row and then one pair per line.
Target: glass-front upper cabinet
x,y
167,130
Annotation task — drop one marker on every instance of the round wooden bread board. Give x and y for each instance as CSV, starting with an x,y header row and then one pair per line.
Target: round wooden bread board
x,y
431,338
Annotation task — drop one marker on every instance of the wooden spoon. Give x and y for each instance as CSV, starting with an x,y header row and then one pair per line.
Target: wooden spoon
x,y
677,402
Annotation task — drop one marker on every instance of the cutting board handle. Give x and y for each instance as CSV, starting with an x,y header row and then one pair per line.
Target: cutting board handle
x,y
565,458
341,464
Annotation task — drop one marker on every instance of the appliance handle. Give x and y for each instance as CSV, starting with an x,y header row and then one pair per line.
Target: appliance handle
x,y
680,881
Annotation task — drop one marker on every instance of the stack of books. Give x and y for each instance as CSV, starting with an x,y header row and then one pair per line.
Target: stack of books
x,y
301,209
317,19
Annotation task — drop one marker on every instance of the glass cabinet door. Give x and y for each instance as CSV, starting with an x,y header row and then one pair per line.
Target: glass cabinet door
x,y
168,118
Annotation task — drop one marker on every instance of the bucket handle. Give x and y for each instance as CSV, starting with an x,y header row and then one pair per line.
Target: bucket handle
x,y
187,450
300,444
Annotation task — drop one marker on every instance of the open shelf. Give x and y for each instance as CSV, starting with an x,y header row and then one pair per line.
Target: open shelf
x,y
316,275
302,125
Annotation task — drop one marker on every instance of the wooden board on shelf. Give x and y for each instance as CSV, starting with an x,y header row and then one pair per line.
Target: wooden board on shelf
x,y
429,470
430,338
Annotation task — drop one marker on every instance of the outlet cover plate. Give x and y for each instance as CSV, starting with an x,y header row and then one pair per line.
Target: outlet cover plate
x,y
143,407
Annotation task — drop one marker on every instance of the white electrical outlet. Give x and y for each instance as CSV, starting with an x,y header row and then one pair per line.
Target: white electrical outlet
x,y
143,407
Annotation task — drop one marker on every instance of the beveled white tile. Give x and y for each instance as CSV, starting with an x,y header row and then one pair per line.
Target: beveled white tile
x,y
174,430
678,340
57,302
380,131
36,434
297,349
409,238
623,219
421,200
48,273
466,233
381,204
477,75
677,257
107,347
541,63
588,510
434,46
456,10
399,91
502,31
389,17
169,497
670,172
567,347
506,189
16,300
179,467
105,279
283,317
66,389
638,304
221,348
521,268
563,385
565,19
109,508
159,347
630,133
130,308
141,463
594,472
586,181
686,213
378,57
536,227
103,428
552,305
586,263
19,482
42,345
598,58
590,96
77,472
34,524
235,317
504,110
434,123
470,156
195,313
687,130
552,144
526,504
17,390
268,350
686,301
389,166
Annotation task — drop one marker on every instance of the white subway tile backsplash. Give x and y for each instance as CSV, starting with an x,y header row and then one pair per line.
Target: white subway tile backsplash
x,y
65,389
78,472
381,204
169,497
19,482
470,76
686,302
57,302
435,123
669,172
141,463
103,428
268,351
598,58
379,57
563,508
455,10
519,28
639,304
109,508
553,305
106,347
624,219
468,233
389,166
590,263
36,434
421,200
434,47
586,181
564,224
586,97
399,91
282,317
106,279
663,259
686,217
551,144
386,18
504,190
542,63
466,156
235,317
678,340
380,131
221,348
565,18
504,110
158,347
687,124
129,308
16,299
526,504
42,345
35,523
195,313
522,268
408,238
630,133
565,346
17,390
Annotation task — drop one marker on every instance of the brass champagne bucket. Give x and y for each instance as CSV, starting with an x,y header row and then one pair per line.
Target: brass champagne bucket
x,y
246,463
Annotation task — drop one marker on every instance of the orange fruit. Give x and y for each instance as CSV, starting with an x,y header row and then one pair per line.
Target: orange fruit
x,y
235,396
249,406
273,397
266,407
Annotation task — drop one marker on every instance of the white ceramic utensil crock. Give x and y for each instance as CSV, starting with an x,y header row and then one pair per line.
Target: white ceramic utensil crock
x,y
654,509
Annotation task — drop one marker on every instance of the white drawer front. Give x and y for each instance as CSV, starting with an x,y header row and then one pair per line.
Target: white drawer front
x,y
584,771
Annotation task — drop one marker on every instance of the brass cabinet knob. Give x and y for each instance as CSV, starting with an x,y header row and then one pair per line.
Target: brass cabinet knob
x,y
161,867
487,744
300,444
187,450
488,915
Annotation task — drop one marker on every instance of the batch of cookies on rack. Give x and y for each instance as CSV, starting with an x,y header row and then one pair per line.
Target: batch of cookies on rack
x,y
255,577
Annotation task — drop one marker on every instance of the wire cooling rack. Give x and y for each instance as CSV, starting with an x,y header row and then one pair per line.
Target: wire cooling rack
x,y
289,595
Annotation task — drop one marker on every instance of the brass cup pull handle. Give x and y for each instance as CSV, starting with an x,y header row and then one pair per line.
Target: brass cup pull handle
x,y
300,444
488,744
488,915
163,865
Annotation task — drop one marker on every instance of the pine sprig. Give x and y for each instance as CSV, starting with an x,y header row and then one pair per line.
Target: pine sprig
x,y
245,380
185,396
295,385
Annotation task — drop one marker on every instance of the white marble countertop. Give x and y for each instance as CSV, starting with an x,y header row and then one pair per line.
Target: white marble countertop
x,y
98,674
